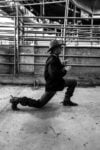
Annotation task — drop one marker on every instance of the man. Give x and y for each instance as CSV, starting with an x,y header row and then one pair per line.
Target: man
x,y
54,73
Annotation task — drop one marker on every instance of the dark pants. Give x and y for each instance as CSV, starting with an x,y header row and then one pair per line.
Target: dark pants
x,y
25,101
71,84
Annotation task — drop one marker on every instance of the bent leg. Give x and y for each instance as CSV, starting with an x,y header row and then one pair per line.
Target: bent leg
x,y
71,84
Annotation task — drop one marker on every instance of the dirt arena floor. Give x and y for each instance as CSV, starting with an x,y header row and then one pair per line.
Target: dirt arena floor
x,y
53,127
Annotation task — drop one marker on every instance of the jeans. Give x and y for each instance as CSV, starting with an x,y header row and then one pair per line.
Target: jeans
x,y
46,97
71,84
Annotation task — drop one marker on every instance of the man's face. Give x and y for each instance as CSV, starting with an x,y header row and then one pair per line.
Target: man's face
x,y
58,50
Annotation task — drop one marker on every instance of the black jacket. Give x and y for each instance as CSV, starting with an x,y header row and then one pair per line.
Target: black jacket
x,y
54,72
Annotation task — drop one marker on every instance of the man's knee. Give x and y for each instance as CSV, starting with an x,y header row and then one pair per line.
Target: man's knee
x,y
40,104
23,101
71,83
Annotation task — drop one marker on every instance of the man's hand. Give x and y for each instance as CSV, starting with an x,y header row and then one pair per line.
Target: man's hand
x,y
68,68
64,62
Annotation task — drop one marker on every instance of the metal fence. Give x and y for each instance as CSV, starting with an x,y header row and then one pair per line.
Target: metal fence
x,y
23,35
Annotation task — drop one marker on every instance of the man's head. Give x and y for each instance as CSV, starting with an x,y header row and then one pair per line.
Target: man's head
x,y
55,46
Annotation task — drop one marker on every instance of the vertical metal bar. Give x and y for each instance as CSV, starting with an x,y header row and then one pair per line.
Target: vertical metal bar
x,y
92,30
17,44
65,23
74,14
43,14
14,45
43,8
22,31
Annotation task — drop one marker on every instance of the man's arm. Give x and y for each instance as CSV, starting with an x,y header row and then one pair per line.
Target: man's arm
x,y
55,71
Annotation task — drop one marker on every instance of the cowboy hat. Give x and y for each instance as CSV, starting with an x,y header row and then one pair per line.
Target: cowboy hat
x,y
55,43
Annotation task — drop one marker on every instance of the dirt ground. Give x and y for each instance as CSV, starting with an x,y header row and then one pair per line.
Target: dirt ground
x,y
53,127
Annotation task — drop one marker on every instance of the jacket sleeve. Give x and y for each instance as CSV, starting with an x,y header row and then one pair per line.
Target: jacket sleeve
x,y
55,70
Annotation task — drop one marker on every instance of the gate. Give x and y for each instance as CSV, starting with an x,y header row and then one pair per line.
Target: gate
x,y
7,45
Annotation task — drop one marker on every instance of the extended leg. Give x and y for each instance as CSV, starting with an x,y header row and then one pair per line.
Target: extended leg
x,y
25,101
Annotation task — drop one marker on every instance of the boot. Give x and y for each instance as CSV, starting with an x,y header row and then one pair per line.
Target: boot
x,y
14,101
68,102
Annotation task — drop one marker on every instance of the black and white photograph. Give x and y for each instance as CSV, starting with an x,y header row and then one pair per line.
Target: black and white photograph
x,y
49,74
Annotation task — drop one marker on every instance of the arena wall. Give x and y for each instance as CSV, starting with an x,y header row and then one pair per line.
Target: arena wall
x,y
85,62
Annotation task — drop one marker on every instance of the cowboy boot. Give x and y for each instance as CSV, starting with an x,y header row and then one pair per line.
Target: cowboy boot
x,y
68,102
14,101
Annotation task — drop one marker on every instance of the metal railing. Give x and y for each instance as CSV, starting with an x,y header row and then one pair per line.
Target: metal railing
x,y
24,31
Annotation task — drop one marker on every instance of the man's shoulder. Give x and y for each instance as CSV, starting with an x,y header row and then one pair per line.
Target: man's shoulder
x,y
51,59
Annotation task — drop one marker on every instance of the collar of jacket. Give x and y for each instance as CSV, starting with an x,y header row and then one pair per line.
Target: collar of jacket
x,y
55,55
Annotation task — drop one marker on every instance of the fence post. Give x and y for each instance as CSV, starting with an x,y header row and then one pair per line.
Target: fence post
x,y
65,23
17,37
92,30
15,46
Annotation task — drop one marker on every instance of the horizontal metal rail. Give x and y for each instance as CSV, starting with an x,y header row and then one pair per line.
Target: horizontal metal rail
x,y
48,38
34,25
46,55
7,55
57,17
28,3
43,64
47,17
73,65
